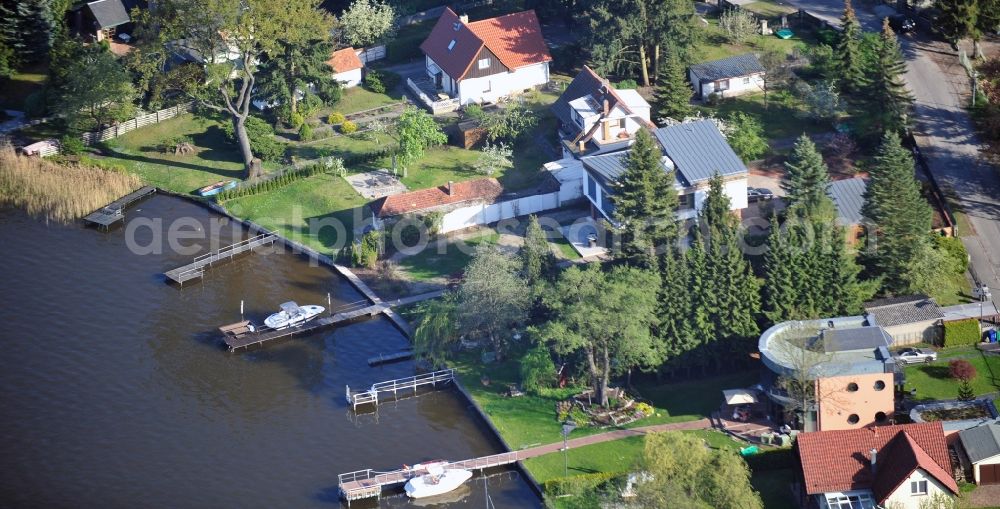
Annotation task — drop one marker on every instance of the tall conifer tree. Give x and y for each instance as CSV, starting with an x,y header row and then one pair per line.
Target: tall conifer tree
x,y
890,100
672,96
850,63
645,203
807,181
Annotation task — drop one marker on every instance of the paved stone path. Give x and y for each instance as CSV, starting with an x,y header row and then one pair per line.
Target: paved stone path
x,y
617,434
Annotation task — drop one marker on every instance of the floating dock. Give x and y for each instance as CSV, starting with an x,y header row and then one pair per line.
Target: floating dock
x,y
388,358
196,268
239,335
369,483
115,211
410,383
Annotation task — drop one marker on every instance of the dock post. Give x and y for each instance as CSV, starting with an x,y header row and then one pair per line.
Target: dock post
x,y
347,392
329,303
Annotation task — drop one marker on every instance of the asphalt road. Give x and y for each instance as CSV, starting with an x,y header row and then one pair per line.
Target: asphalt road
x,y
945,135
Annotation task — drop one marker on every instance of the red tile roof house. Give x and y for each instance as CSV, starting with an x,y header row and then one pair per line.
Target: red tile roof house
x,y
346,67
896,467
470,194
483,61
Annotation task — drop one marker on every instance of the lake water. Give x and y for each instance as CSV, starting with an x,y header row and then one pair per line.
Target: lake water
x,y
117,392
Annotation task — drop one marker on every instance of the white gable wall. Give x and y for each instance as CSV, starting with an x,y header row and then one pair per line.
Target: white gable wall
x,y
490,88
349,78
904,499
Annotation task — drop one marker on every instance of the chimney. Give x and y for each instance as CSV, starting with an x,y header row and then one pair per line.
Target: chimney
x,y
464,18
449,187
874,453
607,106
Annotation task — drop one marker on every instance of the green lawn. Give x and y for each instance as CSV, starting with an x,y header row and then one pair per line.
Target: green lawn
x,y
715,45
216,157
773,486
14,91
531,420
692,400
780,119
431,263
359,99
933,382
563,246
302,209
769,9
615,456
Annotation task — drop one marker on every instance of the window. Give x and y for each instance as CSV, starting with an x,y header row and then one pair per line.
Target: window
x,y
880,416
918,487
722,85
484,63
591,189
853,419
852,387
451,44
746,80
855,501
607,205
621,123
685,201
879,385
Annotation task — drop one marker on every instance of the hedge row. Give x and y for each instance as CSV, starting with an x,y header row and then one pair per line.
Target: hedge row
x,y
577,484
292,176
961,332
771,459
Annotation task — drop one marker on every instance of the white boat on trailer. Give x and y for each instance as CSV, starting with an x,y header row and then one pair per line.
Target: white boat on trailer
x,y
292,314
437,481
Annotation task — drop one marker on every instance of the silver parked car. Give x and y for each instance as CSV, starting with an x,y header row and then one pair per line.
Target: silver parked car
x,y
915,355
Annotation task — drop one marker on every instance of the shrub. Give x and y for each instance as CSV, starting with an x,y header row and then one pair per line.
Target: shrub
x,y
474,111
433,220
645,409
71,145
537,369
961,369
322,133
579,417
309,105
773,459
628,84
373,82
336,118
305,132
578,484
961,332
296,119
364,252
348,127
954,251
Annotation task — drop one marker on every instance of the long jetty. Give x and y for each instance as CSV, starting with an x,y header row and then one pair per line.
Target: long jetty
x,y
113,212
410,383
369,483
196,268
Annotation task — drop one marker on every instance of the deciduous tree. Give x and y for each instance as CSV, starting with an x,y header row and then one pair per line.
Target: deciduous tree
x,y
746,136
739,24
606,316
494,158
94,90
492,297
437,334
416,131
536,255
250,31
367,22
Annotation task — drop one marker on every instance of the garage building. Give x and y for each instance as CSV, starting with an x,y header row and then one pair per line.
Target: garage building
x,y
982,445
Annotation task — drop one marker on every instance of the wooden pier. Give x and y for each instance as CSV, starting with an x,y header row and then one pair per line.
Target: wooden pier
x,y
369,483
388,358
239,335
115,211
411,383
196,268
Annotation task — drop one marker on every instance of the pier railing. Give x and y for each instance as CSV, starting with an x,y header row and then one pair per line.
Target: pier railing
x,y
237,248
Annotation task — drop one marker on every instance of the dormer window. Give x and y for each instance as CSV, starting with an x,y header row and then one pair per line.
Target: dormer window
x,y
451,44
455,26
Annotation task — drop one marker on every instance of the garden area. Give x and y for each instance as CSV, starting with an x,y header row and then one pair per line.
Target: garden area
x,y
935,381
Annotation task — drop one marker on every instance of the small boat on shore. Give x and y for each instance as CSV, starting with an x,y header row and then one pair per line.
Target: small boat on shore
x,y
437,481
216,188
292,314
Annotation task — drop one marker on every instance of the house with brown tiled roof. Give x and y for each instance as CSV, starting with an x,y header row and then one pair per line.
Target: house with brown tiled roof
x,y
594,116
902,466
346,67
437,199
483,61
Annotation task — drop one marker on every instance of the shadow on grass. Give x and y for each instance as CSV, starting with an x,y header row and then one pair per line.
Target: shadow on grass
x,y
236,173
939,372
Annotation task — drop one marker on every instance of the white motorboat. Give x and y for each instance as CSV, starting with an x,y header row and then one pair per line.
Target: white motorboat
x,y
438,480
292,314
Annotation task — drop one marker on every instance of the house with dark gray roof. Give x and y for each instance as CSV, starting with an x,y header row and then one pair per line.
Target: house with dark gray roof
x,y
102,19
848,197
982,446
594,117
727,77
693,151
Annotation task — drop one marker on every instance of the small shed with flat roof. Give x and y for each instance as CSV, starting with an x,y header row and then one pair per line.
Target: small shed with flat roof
x,y
908,319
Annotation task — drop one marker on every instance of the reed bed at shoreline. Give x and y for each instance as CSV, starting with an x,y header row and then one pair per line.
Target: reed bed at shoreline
x,y
58,192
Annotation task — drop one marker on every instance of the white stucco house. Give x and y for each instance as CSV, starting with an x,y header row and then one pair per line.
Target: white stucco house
x,y
696,151
728,77
899,467
346,67
483,61
595,117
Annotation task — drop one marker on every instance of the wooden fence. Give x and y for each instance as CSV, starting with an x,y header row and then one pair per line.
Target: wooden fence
x,y
135,123
371,54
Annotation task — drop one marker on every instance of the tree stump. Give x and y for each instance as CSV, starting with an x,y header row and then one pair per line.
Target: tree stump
x,y
183,149
256,168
